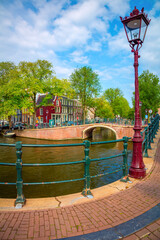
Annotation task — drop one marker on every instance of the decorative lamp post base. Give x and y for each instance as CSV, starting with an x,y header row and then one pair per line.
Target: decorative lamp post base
x,y
137,169
137,172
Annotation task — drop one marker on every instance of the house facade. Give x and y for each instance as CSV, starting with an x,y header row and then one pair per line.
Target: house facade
x,y
17,117
58,110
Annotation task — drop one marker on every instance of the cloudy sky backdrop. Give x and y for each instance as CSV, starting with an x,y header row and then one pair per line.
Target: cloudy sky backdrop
x,y
75,33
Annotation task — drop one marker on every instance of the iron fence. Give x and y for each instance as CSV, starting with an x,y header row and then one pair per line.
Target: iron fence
x,y
148,136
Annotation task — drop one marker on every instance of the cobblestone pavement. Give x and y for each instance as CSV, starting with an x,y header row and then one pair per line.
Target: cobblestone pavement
x,y
89,217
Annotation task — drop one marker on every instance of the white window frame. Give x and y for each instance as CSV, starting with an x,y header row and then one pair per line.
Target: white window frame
x,y
41,111
41,120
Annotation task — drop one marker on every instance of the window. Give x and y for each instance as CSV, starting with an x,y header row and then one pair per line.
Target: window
x,y
31,120
57,103
41,120
41,111
57,109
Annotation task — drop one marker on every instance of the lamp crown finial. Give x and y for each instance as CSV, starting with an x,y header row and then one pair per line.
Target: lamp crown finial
x,y
135,11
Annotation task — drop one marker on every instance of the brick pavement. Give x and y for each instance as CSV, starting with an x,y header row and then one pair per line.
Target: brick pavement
x,y
88,217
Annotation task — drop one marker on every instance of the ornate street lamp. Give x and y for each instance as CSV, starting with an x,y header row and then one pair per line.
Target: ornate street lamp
x,y
135,27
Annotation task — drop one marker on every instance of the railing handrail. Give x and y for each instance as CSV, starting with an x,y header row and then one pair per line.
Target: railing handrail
x,y
62,145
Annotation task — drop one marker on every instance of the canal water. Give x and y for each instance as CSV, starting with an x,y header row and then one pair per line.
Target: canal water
x,y
58,173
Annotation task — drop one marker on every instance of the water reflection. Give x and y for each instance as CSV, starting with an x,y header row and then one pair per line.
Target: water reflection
x,y
57,173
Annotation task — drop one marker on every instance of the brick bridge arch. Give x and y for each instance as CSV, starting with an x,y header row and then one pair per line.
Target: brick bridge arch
x,y
74,132
86,132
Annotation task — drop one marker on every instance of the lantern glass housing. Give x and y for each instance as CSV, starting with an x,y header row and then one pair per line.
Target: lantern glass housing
x,y
136,29
136,26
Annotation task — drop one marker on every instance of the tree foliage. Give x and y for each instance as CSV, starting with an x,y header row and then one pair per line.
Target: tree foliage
x,y
102,108
118,103
149,92
21,84
35,77
11,97
111,94
86,84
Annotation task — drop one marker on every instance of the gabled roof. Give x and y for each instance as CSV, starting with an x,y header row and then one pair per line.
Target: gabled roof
x,y
41,98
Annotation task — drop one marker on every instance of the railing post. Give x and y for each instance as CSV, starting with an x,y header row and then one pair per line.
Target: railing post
x,y
149,137
146,143
155,127
19,184
125,178
86,191
152,131
157,122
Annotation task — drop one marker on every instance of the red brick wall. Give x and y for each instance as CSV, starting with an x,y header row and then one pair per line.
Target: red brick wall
x,y
72,132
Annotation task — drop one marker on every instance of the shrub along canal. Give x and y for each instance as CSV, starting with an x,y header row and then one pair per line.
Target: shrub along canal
x,y
58,173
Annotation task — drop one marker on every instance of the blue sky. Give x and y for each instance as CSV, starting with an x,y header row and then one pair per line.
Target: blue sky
x,y
76,33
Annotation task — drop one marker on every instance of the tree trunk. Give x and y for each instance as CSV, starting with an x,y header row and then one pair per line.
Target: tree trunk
x,y
10,123
35,108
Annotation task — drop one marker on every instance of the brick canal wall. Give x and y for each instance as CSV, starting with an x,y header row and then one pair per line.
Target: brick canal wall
x,y
74,132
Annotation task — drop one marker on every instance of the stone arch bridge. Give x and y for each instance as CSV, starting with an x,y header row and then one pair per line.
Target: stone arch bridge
x,y
75,132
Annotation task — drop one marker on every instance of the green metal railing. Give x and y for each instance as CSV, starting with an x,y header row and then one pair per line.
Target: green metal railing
x,y
125,122
149,133
86,161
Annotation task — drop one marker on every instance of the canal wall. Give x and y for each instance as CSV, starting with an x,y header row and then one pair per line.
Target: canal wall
x,y
74,132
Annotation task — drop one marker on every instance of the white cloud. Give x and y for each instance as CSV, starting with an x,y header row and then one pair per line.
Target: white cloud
x,y
118,7
155,9
56,24
115,73
94,46
63,72
118,43
77,56
151,49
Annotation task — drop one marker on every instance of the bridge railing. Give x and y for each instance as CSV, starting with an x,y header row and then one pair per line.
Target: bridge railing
x,y
125,122
149,133
20,200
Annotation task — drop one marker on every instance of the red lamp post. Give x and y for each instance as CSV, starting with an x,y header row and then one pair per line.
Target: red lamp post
x,y
135,28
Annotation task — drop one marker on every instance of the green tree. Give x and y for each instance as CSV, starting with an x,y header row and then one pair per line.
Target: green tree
x,y
118,103
121,107
112,94
102,108
86,84
149,92
35,78
5,68
11,92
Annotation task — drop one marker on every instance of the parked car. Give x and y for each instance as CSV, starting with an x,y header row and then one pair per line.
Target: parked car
x,y
18,125
4,126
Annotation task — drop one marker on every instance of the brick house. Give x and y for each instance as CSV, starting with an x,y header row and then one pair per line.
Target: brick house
x,y
58,109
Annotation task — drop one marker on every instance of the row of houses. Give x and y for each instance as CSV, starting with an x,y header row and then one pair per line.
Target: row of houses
x,y
56,111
